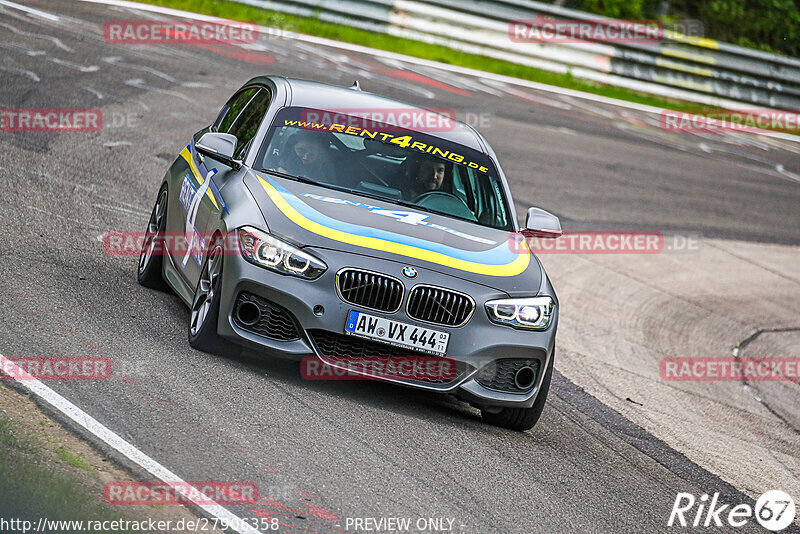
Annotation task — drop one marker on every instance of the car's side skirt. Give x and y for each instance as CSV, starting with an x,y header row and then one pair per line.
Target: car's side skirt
x,y
175,281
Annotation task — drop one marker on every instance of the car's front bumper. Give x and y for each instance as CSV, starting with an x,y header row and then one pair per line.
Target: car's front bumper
x,y
476,344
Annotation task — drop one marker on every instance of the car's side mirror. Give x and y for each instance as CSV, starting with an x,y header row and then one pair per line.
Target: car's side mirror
x,y
219,146
541,223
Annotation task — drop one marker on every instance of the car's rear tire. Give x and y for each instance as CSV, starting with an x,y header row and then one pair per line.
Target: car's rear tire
x,y
522,419
206,305
151,258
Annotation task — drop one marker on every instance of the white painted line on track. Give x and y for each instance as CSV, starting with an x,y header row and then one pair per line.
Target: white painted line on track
x,y
114,441
30,10
418,61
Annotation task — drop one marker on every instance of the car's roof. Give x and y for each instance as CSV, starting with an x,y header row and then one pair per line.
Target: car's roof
x,y
305,93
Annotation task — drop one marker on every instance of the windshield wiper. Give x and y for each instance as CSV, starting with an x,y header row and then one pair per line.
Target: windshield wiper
x,y
305,180
292,177
397,201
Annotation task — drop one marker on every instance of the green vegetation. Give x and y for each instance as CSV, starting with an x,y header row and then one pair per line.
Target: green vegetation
x,y
73,459
769,25
618,9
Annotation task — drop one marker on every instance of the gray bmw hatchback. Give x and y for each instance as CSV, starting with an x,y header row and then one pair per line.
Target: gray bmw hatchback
x,y
363,236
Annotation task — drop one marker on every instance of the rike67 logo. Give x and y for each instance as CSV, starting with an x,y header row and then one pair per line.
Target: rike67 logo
x,y
774,510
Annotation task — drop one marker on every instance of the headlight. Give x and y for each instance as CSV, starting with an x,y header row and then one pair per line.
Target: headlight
x,y
533,313
266,251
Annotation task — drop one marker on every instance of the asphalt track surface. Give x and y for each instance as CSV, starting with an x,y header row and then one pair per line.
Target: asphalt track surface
x,y
326,451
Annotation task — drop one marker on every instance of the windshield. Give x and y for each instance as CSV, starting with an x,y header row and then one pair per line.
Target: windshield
x,y
387,162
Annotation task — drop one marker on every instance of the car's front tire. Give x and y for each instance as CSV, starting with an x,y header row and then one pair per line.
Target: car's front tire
x,y
522,419
151,257
206,305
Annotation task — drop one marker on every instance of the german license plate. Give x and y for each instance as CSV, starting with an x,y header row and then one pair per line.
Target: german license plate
x,y
396,333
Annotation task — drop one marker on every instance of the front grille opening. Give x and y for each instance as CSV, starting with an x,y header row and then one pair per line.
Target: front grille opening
x,y
440,306
340,348
370,290
510,375
265,318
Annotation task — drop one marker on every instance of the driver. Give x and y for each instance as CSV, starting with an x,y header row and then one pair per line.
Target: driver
x,y
429,176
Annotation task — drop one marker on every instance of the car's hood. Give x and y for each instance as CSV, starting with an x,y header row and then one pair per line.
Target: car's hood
x,y
320,217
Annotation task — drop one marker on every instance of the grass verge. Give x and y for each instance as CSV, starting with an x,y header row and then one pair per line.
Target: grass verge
x,y
73,459
33,487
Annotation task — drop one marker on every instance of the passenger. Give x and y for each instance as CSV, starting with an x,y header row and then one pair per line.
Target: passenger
x,y
309,157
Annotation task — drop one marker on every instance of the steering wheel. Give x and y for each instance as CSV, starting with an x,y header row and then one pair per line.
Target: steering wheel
x,y
445,202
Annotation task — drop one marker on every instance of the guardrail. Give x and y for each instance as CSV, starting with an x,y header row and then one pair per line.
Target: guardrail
x,y
680,66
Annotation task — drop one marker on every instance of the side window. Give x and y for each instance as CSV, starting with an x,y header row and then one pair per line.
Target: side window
x,y
243,117
232,109
246,124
